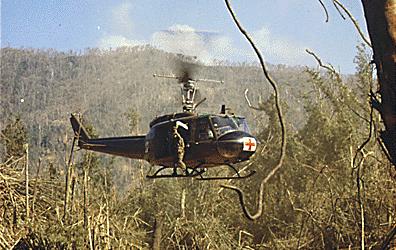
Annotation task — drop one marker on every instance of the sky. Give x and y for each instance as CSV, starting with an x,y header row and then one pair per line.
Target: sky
x,y
282,29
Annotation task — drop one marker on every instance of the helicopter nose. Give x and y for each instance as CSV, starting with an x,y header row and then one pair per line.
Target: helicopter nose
x,y
249,144
242,146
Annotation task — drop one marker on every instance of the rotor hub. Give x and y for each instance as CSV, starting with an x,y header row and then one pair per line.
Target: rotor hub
x,y
188,91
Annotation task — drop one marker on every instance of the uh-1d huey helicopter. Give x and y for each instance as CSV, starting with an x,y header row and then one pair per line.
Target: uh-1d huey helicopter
x,y
210,139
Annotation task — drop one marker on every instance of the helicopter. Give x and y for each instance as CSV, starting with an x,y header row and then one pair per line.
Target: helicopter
x,y
210,140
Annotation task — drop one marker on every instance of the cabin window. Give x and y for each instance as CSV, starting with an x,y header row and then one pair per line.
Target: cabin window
x,y
160,141
223,124
151,134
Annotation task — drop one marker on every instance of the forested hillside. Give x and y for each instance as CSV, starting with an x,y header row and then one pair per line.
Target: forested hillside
x,y
44,87
334,191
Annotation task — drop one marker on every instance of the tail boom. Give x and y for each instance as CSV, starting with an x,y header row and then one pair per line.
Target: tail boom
x,y
128,146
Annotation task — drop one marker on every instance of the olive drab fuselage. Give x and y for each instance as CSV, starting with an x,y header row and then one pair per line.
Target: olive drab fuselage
x,y
209,140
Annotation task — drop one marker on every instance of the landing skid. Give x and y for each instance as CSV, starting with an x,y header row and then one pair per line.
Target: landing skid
x,y
198,173
238,177
156,175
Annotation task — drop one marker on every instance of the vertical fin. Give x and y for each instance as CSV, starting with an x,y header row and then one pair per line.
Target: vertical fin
x,y
79,131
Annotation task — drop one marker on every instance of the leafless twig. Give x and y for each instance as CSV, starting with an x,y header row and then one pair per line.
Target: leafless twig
x,y
27,180
321,63
280,116
336,2
324,7
248,101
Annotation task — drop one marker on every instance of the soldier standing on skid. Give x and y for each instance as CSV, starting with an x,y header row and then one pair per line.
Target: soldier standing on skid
x,y
178,143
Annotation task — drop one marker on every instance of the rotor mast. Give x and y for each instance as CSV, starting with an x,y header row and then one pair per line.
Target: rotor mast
x,y
188,90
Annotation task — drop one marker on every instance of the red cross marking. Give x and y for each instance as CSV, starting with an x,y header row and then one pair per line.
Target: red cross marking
x,y
250,144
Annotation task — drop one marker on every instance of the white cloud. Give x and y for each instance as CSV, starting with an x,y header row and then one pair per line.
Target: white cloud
x,y
185,40
118,41
121,17
277,49
223,49
121,32
180,27
206,46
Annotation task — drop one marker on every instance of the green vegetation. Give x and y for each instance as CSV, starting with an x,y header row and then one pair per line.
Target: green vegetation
x,y
334,191
14,136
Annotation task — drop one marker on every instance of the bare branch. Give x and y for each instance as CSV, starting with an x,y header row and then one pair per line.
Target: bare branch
x,y
324,7
249,104
336,2
339,11
358,180
68,178
320,61
236,174
27,179
359,150
282,124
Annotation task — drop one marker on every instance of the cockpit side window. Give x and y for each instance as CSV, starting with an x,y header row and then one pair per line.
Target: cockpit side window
x,y
242,124
203,131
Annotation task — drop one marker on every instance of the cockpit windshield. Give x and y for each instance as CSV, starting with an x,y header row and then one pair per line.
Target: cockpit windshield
x,y
242,124
223,124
